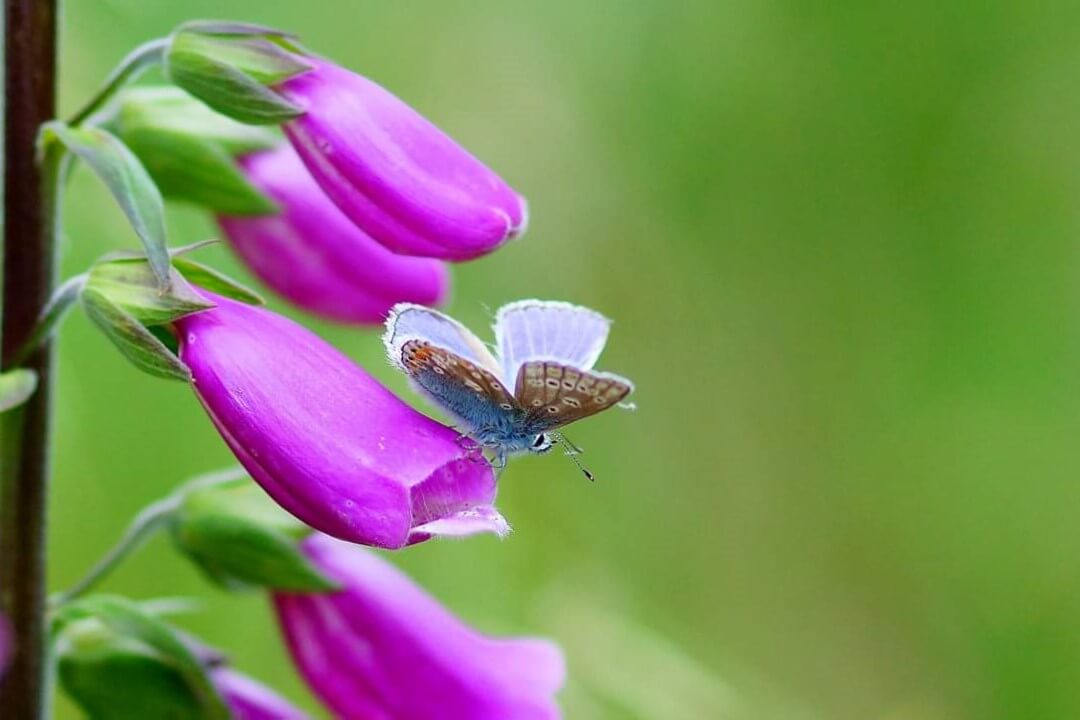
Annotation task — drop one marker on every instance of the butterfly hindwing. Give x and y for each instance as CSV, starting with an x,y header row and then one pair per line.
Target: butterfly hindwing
x,y
547,330
466,390
554,395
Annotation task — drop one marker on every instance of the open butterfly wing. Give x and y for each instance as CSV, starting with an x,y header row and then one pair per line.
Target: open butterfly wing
x,y
544,330
416,322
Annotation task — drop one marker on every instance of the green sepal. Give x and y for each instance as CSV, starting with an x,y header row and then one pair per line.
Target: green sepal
x,y
129,284
256,55
169,109
188,149
232,72
227,27
127,180
240,538
16,387
210,279
118,661
132,339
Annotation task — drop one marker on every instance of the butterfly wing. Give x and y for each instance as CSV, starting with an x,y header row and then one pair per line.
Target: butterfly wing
x,y
554,395
472,393
408,322
545,330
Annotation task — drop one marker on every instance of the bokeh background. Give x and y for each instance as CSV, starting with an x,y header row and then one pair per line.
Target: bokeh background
x,y
840,244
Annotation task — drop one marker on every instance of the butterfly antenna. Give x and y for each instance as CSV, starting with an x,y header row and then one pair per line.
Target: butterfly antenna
x,y
572,451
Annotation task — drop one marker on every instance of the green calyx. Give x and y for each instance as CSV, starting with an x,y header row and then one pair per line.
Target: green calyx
x,y
232,67
240,539
121,295
117,660
189,149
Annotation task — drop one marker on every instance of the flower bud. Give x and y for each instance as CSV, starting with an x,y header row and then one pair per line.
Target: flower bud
x,y
382,647
397,176
325,439
315,257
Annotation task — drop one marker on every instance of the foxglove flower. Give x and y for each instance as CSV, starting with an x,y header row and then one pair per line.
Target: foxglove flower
x,y
251,700
325,439
383,648
314,256
397,176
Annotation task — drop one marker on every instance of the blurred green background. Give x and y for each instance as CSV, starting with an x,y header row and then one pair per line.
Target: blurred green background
x,y
840,244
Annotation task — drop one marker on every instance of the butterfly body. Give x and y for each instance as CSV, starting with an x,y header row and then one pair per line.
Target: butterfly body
x,y
541,381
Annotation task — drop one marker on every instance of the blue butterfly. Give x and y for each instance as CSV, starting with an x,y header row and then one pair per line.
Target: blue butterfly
x,y
545,351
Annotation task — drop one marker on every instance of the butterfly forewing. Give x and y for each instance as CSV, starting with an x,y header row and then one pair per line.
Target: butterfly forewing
x,y
554,394
462,387
409,322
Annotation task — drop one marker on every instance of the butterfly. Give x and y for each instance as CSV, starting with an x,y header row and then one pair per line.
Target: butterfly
x,y
539,379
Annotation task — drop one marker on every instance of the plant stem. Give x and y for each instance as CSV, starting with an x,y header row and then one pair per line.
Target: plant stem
x,y
135,64
29,271
149,520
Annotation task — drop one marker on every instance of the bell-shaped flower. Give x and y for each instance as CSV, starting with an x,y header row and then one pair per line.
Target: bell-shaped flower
x,y
397,176
248,699
381,647
328,442
314,256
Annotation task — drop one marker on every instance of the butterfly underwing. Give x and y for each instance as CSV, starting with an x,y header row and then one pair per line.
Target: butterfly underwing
x,y
545,352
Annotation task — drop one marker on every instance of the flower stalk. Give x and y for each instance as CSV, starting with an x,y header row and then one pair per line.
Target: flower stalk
x,y
152,518
131,67
29,272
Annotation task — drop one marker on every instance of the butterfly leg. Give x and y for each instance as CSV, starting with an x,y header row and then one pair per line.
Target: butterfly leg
x,y
499,462
467,442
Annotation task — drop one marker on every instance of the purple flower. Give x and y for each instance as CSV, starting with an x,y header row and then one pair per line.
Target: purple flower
x,y
325,439
313,255
250,700
397,176
383,648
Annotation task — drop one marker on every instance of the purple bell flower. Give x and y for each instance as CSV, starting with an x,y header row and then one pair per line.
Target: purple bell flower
x,y
315,257
328,442
397,176
251,700
383,648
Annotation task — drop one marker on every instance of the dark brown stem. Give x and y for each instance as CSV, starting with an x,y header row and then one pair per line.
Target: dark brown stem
x,y
28,278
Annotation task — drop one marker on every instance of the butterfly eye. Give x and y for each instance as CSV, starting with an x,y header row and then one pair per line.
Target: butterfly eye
x,y
542,443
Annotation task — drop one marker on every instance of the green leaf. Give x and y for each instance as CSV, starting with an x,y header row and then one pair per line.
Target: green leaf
x,y
231,74
197,171
210,279
145,637
241,538
133,340
130,285
129,183
16,387
170,109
